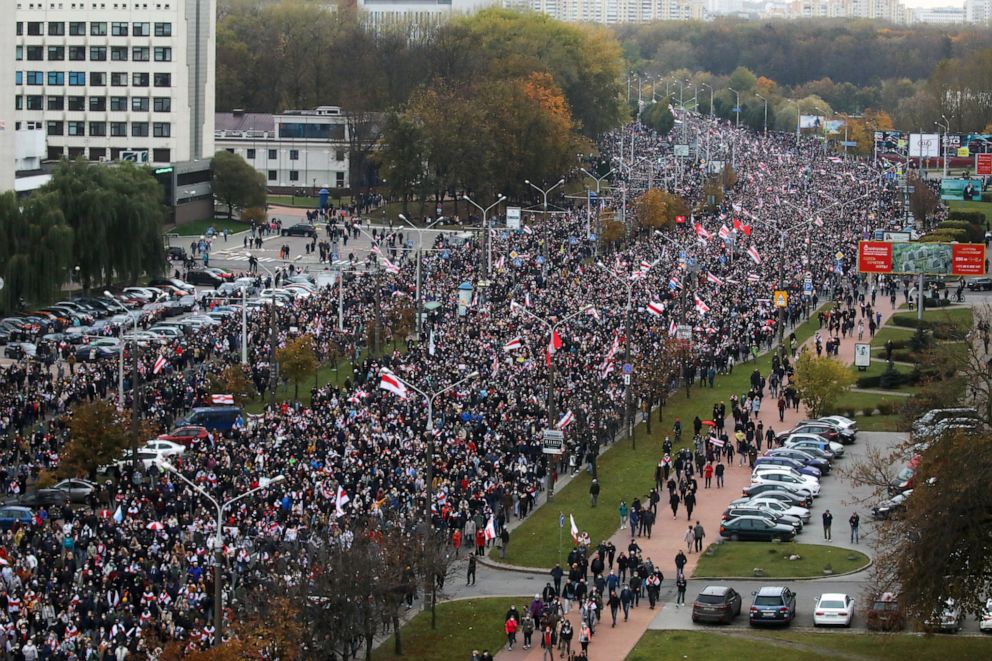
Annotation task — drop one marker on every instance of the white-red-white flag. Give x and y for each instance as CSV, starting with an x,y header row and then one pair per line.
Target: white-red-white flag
x,y
574,528
701,305
389,266
701,232
752,252
712,278
499,262
490,531
724,232
566,420
554,344
753,277
656,308
513,344
672,328
340,500
389,381
222,399
160,364
527,230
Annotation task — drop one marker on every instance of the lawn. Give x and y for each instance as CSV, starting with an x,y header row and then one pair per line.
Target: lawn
x,y
894,333
971,205
456,634
741,558
200,227
877,368
303,201
624,472
956,316
756,645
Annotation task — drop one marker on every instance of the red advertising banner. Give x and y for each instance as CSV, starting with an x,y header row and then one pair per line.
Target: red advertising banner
x,y
983,164
875,257
968,258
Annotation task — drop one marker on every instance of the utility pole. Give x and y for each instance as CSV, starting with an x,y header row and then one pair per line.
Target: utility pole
x,y
135,405
544,225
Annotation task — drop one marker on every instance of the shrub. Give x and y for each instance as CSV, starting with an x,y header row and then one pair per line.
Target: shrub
x,y
891,378
976,217
921,340
887,408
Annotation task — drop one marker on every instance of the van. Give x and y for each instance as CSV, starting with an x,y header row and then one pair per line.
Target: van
x,y
213,418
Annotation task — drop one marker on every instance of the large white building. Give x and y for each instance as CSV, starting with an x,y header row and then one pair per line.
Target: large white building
x,y
614,11
7,121
381,14
113,79
939,15
978,12
298,149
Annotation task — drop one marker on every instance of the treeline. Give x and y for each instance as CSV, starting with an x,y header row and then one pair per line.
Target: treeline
x,y
90,224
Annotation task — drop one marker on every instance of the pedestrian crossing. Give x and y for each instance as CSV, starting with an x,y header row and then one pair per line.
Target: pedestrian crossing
x,y
241,257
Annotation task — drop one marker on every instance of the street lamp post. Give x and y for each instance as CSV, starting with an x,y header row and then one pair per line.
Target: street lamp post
x,y
264,483
598,181
737,105
544,206
273,334
943,143
710,87
120,369
488,245
420,250
765,130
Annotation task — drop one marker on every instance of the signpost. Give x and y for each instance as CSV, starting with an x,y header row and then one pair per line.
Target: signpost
x,y
553,442
681,150
513,218
862,356
781,298
683,332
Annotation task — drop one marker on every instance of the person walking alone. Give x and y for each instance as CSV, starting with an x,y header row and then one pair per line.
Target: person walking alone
x,y
593,492
689,538
855,522
828,520
680,585
698,535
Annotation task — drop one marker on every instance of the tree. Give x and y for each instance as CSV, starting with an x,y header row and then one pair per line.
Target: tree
x,y
819,381
297,361
35,250
658,116
236,183
401,157
613,231
656,209
233,380
98,434
654,371
923,201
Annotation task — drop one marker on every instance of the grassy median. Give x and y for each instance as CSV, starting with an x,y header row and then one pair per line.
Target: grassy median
x,y
731,559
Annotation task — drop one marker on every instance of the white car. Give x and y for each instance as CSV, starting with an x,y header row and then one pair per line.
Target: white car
x,y
778,506
836,448
841,422
985,623
833,608
785,478
170,332
164,448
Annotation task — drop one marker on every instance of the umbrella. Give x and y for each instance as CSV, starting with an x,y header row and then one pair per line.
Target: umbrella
x,y
155,525
105,514
709,422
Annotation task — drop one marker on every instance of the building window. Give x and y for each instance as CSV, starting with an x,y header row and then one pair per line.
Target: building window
x,y
34,102
77,103
118,79
36,53
339,155
56,53
76,128
98,153
161,156
77,78
18,102
339,179
271,175
55,128
162,130
19,53
294,154
56,78
163,54
56,28
163,29
20,28
118,53
139,129
118,29
139,80
163,104
77,29
98,129
272,155
98,104
35,28
98,29
77,53
118,103
98,53
98,79
139,53
18,77
163,80
250,154
139,103
36,78
118,129
294,175
56,103
141,29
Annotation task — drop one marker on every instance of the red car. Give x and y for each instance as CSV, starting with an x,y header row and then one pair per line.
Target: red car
x,y
185,435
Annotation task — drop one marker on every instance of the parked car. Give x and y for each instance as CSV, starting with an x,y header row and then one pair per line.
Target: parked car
x,y
11,515
885,614
788,462
803,457
903,481
985,622
19,350
950,618
92,353
887,508
163,447
186,434
77,489
756,529
782,507
841,422
833,608
40,498
716,603
226,276
175,254
813,440
735,511
785,477
173,282
845,436
773,605
300,229
203,278
213,418
774,491
933,416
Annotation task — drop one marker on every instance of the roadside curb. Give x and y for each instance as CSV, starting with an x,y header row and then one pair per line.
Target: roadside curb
x,y
483,560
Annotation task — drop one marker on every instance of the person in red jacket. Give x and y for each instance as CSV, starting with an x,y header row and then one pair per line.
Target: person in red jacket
x,y
510,626
480,542
707,475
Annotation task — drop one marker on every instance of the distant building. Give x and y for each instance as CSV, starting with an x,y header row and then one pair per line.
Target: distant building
x,y
879,10
7,121
939,15
380,14
295,150
614,11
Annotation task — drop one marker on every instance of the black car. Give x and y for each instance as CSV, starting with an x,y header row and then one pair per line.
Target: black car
x,y
300,229
40,498
773,605
756,529
175,254
758,489
980,284
716,603
201,277
91,354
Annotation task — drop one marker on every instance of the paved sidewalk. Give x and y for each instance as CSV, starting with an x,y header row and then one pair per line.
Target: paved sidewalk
x,y
616,643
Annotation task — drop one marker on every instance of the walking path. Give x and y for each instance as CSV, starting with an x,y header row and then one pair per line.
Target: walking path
x,y
616,643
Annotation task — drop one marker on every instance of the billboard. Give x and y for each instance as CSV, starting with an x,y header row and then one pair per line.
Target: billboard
x,y
810,122
983,164
513,218
924,145
914,258
960,189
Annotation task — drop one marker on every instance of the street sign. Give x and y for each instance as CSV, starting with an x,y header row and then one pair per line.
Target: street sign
x,y
781,298
683,332
681,150
513,218
628,368
561,520
862,356
807,287
626,379
553,441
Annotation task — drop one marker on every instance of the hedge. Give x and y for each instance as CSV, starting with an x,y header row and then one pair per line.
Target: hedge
x,y
976,217
941,330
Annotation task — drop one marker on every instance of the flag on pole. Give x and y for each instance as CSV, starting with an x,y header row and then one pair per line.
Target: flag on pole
x,y
724,232
672,328
490,531
554,344
746,229
753,277
656,308
499,262
527,299
566,420
514,305
716,442
340,500
673,283
646,266
680,220
513,344
118,515
389,381
375,249
160,364
701,232
701,305
574,528
430,343
389,266
752,252
712,278
528,230
222,399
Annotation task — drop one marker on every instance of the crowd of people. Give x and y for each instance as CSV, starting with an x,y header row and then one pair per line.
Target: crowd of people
x,y
81,582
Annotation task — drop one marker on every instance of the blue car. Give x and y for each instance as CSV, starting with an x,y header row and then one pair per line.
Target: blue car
x,y
772,605
10,515
789,463
802,457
